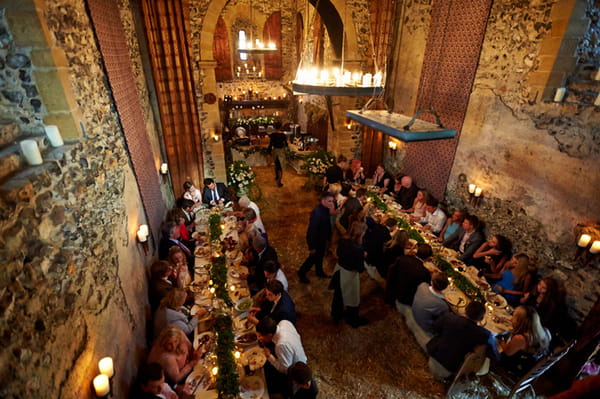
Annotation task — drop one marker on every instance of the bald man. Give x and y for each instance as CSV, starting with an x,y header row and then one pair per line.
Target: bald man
x,y
408,192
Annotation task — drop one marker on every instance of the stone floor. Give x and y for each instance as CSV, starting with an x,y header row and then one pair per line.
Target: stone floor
x,y
380,360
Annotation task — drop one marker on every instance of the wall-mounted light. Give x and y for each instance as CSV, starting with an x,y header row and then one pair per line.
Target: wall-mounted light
x,y
475,194
349,125
142,237
164,168
101,386
31,152
105,365
559,95
392,145
54,136
595,248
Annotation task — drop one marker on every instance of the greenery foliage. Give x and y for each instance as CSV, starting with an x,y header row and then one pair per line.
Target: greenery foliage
x,y
317,162
228,385
214,225
240,175
460,281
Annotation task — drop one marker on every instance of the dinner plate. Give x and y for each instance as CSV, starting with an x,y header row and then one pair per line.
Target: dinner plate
x,y
252,387
242,324
497,301
243,304
455,298
254,358
207,338
246,338
199,379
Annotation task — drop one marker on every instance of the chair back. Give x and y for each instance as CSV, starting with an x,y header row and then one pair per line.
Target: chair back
x,y
472,364
540,368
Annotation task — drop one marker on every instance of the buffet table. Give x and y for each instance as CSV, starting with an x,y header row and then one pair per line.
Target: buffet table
x,y
233,362
465,285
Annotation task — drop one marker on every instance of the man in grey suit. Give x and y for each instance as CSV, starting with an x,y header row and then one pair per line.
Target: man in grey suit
x,y
466,239
429,303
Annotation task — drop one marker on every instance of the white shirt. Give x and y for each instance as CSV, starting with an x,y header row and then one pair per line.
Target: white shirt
x,y
281,277
288,347
465,238
258,222
196,196
436,220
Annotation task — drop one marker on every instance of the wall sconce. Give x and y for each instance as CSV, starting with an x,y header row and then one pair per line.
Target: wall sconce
x,y
31,152
559,95
142,236
215,137
475,194
587,249
349,125
101,382
164,168
54,136
392,145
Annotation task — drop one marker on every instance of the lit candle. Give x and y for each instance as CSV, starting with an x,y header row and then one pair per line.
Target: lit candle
x,y
54,136
31,152
595,247
238,74
141,236
215,370
560,94
237,354
212,290
144,228
164,168
272,46
346,78
105,365
478,191
472,188
210,282
232,288
101,385
584,240
253,68
367,79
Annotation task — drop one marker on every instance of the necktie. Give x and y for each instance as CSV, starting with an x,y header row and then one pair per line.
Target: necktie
x,y
215,195
183,247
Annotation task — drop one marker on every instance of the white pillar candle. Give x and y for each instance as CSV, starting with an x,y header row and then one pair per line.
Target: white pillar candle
x,y
144,229
377,79
595,247
101,385
31,152
472,188
141,236
559,94
105,365
164,168
367,79
347,77
478,191
584,240
54,135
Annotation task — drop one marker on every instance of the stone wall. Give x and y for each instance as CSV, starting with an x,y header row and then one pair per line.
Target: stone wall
x,y
73,276
537,162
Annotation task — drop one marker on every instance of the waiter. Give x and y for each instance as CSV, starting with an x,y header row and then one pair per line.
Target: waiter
x,y
277,145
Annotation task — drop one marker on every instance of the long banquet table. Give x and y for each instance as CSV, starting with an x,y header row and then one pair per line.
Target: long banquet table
x,y
248,356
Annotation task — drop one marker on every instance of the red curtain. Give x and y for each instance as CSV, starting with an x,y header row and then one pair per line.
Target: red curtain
x,y
222,52
272,33
167,30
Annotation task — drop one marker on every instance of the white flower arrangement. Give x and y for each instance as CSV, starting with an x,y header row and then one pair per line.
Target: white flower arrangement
x,y
240,175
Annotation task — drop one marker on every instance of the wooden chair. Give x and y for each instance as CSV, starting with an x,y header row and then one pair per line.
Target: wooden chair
x,y
467,377
540,368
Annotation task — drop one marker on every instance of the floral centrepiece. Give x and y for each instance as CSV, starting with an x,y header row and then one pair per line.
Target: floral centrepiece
x,y
240,176
317,162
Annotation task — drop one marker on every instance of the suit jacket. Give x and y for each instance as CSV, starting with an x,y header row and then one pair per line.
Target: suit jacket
x,y
427,308
319,228
406,196
474,242
376,236
257,279
456,336
157,290
403,279
223,191
284,310
166,243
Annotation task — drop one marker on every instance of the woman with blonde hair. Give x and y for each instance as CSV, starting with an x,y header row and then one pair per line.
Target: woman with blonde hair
x,y
180,275
393,249
528,342
346,276
418,209
169,313
174,352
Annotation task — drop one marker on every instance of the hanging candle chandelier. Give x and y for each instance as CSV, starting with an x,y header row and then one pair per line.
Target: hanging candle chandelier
x,y
248,46
336,81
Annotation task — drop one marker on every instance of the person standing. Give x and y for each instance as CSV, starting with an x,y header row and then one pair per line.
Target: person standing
x,y
277,145
335,173
317,236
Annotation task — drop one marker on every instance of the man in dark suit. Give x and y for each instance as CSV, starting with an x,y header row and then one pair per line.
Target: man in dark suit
x,y
278,305
261,253
317,236
466,239
159,285
375,238
170,237
455,337
405,276
215,193
407,194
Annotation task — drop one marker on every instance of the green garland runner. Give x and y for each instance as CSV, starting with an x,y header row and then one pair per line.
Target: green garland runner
x,y
249,150
214,224
379,203
460,281
218,274
228,385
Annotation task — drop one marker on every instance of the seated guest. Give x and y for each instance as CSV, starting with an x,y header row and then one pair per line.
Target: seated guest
x,y
407,194
174,352
452,224
288,351
466,239
381,179
185,208
395,186
303,385
180,277
335,173
345,280
252,229
351,206
405,275
177,217
456,336
429,303
190,192
516,279
417,210
278,305
169,314
548,298
244,202
260,254
171,237
159,285
151,384
375,238
528,342
215,193
434,218
393,249
355,174
273,272
493,254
